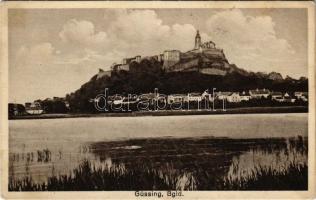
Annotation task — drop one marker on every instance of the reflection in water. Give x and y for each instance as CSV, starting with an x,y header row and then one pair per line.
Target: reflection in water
x,y
162,163
43,163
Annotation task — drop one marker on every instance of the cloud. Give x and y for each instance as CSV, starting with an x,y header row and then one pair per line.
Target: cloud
x,y
128,32
89,58
82,33
36,54
250,42
182,37
82,49
138,31
40,71
139,25
143,32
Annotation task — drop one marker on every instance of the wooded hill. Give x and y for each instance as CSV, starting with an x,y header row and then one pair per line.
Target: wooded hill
x,y
147,75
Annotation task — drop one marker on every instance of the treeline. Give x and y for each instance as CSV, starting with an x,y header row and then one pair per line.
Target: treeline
x,y
47,105
54,106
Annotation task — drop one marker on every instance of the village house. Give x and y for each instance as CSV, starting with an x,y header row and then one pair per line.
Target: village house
x,y
161,98
288,98
117,100
259,93
244,96
195,97
147,97
129,100
177,98
276,95
34,108
207,96
301,95
278,99
122,100
67,104
233,97
222,95
15,109
284,98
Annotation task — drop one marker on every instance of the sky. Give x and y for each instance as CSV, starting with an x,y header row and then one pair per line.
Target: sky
x,y
53,52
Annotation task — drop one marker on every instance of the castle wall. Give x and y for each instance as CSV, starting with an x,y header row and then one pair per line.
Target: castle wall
x,y
188,55
185,66
208,45
123,67
160,57
138,59
127,61
212,71
170,58
197,51
167,64
214,52
173,55
104,73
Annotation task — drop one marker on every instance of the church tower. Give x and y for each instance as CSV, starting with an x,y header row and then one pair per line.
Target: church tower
x,y
197,40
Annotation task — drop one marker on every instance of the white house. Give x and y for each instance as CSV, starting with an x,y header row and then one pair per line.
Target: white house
x,y
276,95
288,98
259,93
177,98
194,97
234,97
301,95
222,95
117,100
278,99
207,96
244,96
34,108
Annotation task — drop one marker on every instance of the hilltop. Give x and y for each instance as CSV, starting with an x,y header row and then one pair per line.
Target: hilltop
x,y
201,68
147,75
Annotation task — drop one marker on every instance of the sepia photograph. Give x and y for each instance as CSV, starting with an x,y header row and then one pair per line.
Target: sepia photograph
x,y
159,100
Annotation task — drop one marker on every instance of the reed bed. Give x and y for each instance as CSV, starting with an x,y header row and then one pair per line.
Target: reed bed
x,y
87,177
259,169
272,167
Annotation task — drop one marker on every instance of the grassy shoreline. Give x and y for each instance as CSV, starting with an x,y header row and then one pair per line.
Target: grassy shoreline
x,y
245,110
87,177
182,164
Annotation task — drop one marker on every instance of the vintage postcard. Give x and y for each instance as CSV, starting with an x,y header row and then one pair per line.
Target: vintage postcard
x,y
168,100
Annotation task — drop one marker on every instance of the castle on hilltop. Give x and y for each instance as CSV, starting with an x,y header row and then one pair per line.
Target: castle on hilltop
x,y
174,60
172,57
206,45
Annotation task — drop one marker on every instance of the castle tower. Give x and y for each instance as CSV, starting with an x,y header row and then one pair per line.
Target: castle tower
x,y
197,40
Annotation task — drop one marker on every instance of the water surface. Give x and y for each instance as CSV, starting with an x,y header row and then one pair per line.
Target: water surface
x,y
185,146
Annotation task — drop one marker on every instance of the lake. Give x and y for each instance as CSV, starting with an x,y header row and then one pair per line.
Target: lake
x,y
177,150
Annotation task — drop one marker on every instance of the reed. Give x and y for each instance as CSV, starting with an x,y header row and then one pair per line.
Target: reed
x,y
87,177
271,167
